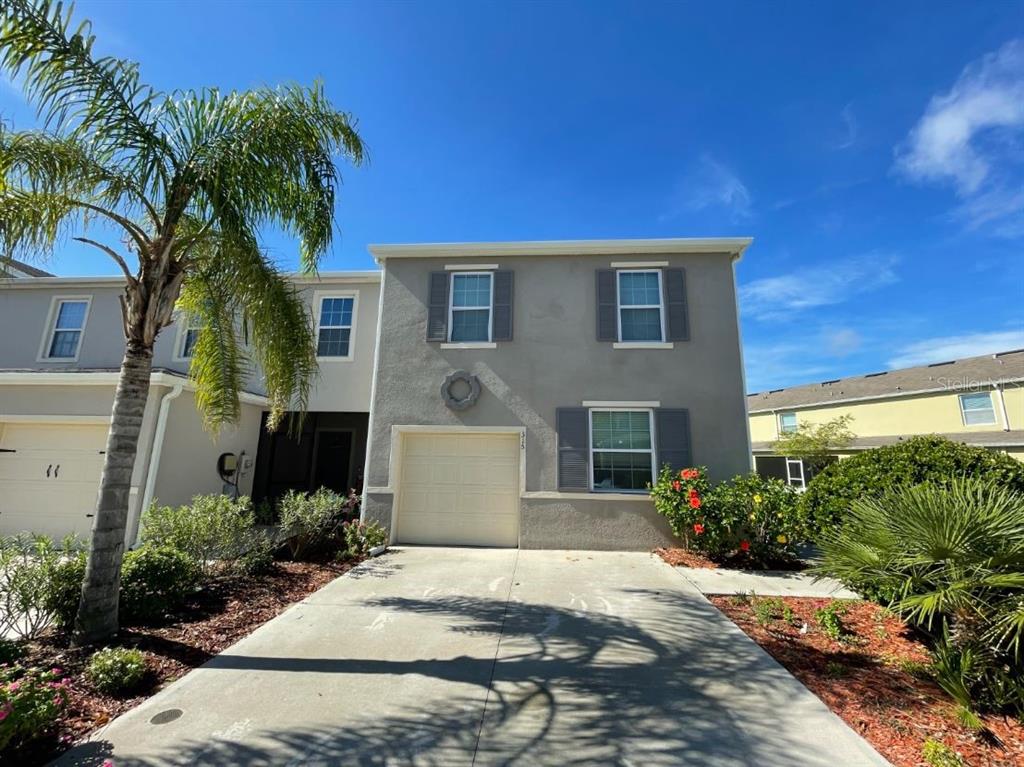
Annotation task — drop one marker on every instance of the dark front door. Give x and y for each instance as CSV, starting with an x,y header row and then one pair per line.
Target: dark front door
x,y
332,462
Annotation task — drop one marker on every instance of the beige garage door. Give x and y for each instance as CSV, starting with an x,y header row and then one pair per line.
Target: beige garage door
x,y
49,475
459,489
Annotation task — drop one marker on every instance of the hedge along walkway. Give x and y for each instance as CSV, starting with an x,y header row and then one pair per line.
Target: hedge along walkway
x,y
768,583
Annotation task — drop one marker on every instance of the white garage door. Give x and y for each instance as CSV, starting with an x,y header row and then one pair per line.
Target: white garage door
x,y
49,475
459,489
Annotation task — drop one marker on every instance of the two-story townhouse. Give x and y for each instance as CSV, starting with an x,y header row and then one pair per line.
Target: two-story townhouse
x,y
977,401
526,393
60,351
493,394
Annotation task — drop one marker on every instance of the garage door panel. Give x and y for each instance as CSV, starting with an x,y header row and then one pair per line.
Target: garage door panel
x,y
460,489
468,530
48,485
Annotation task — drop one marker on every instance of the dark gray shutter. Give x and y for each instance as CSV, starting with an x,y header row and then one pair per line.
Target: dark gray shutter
x,y
573,448
502,321
437,308
607,306
677,321
673,430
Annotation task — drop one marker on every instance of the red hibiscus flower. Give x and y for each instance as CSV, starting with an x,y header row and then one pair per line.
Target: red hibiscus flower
x,y
745,546
698,528
689,473
677,485
694,502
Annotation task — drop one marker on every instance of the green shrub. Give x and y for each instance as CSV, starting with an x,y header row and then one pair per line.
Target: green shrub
x,y
215,530
26,565
749,516
767,609
10,651
31,700
259,558
313,521
360,537
830,494
63,589
116,670
938,754
950,559
830,619
155,580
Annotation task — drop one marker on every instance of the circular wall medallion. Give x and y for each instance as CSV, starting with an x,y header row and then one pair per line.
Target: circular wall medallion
x,y
460,390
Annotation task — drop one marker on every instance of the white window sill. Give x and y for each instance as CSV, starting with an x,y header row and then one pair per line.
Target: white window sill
x,y
475,345
554,495
643,345
334,359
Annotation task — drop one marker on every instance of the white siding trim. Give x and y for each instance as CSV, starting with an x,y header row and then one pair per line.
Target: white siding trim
x,y
639,404
470,267
643,345
638,264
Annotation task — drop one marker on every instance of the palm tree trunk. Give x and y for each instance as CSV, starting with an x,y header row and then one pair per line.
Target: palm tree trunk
x,y
97,611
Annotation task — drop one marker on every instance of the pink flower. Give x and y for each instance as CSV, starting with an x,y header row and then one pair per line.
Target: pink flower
x,y
107,763
5,712
14,687
56,671
58,701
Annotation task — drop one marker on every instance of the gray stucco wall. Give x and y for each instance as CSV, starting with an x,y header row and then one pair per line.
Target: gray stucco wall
x,y
555,361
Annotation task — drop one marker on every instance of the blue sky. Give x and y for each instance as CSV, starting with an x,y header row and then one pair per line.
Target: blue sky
x,y
874,150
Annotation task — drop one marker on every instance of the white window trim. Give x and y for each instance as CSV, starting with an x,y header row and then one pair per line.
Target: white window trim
x,y
51,328
660,306
490,306
184,325
796,425
470,345
590,446
790,463
318,298
963,411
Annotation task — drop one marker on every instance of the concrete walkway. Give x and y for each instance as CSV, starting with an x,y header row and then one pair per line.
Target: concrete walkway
x,y
432,656
767,583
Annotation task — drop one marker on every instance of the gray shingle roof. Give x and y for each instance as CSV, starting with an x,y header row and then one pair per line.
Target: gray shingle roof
x,y
994,439
955,375
26,269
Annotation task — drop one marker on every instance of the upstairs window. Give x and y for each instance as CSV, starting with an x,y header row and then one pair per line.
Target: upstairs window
x,y
977,409
787,423
622,452
640,309
68,325
189,336
334,327
471,300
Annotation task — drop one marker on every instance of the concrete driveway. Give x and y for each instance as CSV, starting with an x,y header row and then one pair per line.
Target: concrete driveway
x,y
432,656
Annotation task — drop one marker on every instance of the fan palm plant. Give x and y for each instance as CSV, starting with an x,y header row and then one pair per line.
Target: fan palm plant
x,y
950,559
188,179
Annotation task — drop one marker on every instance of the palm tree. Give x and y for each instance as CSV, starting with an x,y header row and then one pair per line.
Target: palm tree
x,y
187,179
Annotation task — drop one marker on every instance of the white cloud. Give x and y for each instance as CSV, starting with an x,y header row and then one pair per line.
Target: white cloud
x,y
966,138
840,342
711,185
850,126
946,348
777,365
776,297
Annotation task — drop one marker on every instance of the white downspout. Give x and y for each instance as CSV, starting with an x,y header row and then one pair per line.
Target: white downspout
x,y
154,460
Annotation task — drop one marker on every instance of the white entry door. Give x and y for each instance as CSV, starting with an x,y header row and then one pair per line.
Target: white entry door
x,y
49,476
459,489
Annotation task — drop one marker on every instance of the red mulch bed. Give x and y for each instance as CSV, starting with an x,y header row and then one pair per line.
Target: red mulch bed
x,y
215,618
680,557
865,680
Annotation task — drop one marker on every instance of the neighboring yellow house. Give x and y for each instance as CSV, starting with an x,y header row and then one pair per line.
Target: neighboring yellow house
x,y
978,401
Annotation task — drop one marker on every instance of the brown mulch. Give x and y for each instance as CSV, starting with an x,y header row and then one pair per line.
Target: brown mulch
x,y
866,679
215,618
679,557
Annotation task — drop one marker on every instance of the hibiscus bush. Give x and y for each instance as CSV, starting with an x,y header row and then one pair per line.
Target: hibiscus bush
x,y
749,517
31,700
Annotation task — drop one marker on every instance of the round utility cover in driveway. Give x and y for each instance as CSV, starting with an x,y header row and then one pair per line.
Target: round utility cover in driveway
x,y
459,489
